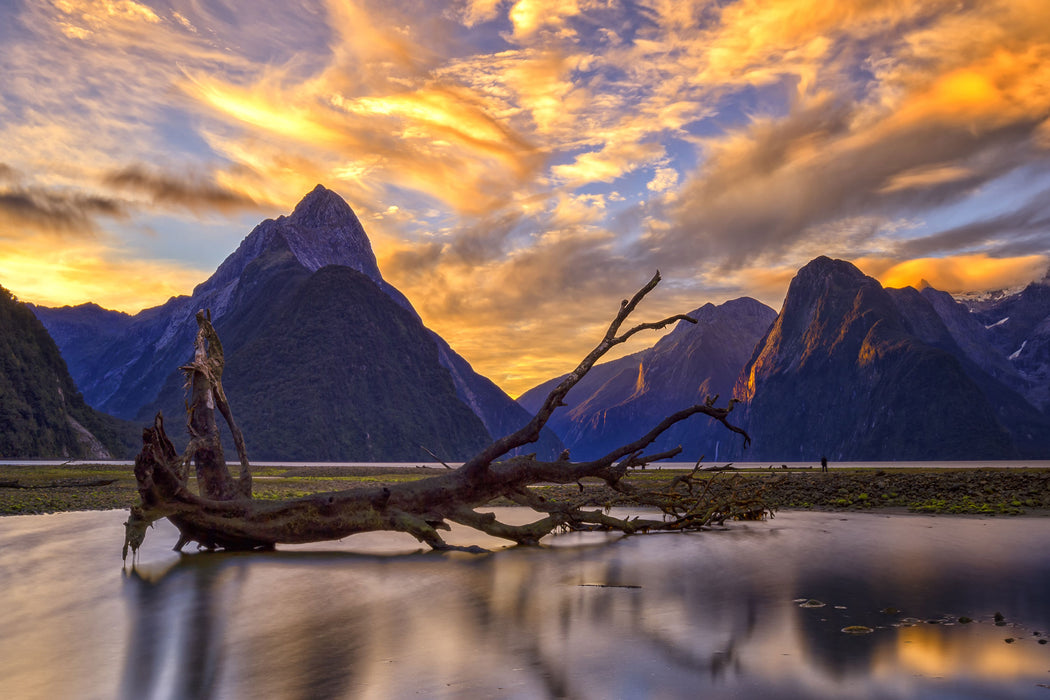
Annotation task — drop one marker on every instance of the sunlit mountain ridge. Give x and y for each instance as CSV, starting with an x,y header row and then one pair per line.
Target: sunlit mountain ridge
x,y
849,370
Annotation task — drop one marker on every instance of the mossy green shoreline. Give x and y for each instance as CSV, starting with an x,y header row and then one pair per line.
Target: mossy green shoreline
x,y
30,489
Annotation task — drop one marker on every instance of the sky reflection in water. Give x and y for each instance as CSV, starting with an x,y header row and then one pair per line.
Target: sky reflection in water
x,y
714,614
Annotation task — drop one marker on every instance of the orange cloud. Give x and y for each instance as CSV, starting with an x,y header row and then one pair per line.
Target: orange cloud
x,y
960,273
532,16
477,11
925,176
84,17
378,112
857,118
607,164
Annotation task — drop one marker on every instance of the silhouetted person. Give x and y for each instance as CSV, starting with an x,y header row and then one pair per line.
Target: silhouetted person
x,y
823,463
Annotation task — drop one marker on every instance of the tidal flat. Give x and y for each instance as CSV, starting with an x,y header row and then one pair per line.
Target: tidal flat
x,y
808,604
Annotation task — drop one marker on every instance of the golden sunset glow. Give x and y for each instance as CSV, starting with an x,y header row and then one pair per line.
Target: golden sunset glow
x,y
929,651
521,165
956,274
53,275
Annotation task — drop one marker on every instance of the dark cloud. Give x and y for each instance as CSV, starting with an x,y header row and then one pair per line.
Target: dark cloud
x,y
420,259
1028,229
166,189
484,241
54,211
8,174
765,193
1034,244
478,242
580,271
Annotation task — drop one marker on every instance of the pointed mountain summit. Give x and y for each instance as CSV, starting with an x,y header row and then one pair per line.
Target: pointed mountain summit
x,y
359,376
321,230
120,364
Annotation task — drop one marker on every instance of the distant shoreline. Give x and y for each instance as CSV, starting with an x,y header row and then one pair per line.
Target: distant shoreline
x,y
36,488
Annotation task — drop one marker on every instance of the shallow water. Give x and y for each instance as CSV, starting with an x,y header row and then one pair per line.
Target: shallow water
x,y
715,614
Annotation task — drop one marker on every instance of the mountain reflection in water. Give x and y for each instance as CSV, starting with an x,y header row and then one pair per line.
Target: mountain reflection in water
x,y
713,614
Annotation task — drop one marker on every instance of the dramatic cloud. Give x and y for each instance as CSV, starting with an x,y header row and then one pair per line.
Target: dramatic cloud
x,y
961,273
522,165
56,273
166,189
24,212
954,105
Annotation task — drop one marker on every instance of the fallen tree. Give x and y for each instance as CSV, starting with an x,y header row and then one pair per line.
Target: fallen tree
x,y
223,514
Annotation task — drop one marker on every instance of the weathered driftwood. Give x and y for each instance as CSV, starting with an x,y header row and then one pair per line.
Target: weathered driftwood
x,y
224,515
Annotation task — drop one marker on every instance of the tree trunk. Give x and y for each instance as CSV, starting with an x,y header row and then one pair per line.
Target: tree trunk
x,y
223,514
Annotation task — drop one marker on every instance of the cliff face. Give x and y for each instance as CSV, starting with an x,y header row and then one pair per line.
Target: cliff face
x,y
857,372
624,398
1018,325
42,415
847,369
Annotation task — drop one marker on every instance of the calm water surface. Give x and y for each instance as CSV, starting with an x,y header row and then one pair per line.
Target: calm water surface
x,y
706,615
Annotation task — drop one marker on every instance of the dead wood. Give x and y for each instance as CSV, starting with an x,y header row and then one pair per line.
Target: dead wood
x,y
222,514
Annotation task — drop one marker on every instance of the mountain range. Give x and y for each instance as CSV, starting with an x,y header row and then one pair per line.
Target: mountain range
x,y
328,361
325,359
620,398
847,369
1018,327
854,371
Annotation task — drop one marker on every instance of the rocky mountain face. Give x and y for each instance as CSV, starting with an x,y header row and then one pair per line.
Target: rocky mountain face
x,y
1018,326
42,415
847,369
120,362
622,399
857,372
360,386
324,366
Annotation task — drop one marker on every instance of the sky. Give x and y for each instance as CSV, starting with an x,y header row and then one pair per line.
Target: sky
x,y
521,167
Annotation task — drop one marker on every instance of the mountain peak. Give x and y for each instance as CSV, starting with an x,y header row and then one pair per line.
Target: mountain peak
x,y
322,230
823,266
322,206
824,278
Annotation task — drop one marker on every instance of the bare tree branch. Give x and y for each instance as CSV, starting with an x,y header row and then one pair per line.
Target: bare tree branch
x,y
223,514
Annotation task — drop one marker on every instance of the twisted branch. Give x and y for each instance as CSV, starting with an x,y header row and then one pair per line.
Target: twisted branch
x,y
224,514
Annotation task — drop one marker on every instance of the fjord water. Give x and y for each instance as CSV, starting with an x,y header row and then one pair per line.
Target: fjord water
x,y
715,614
